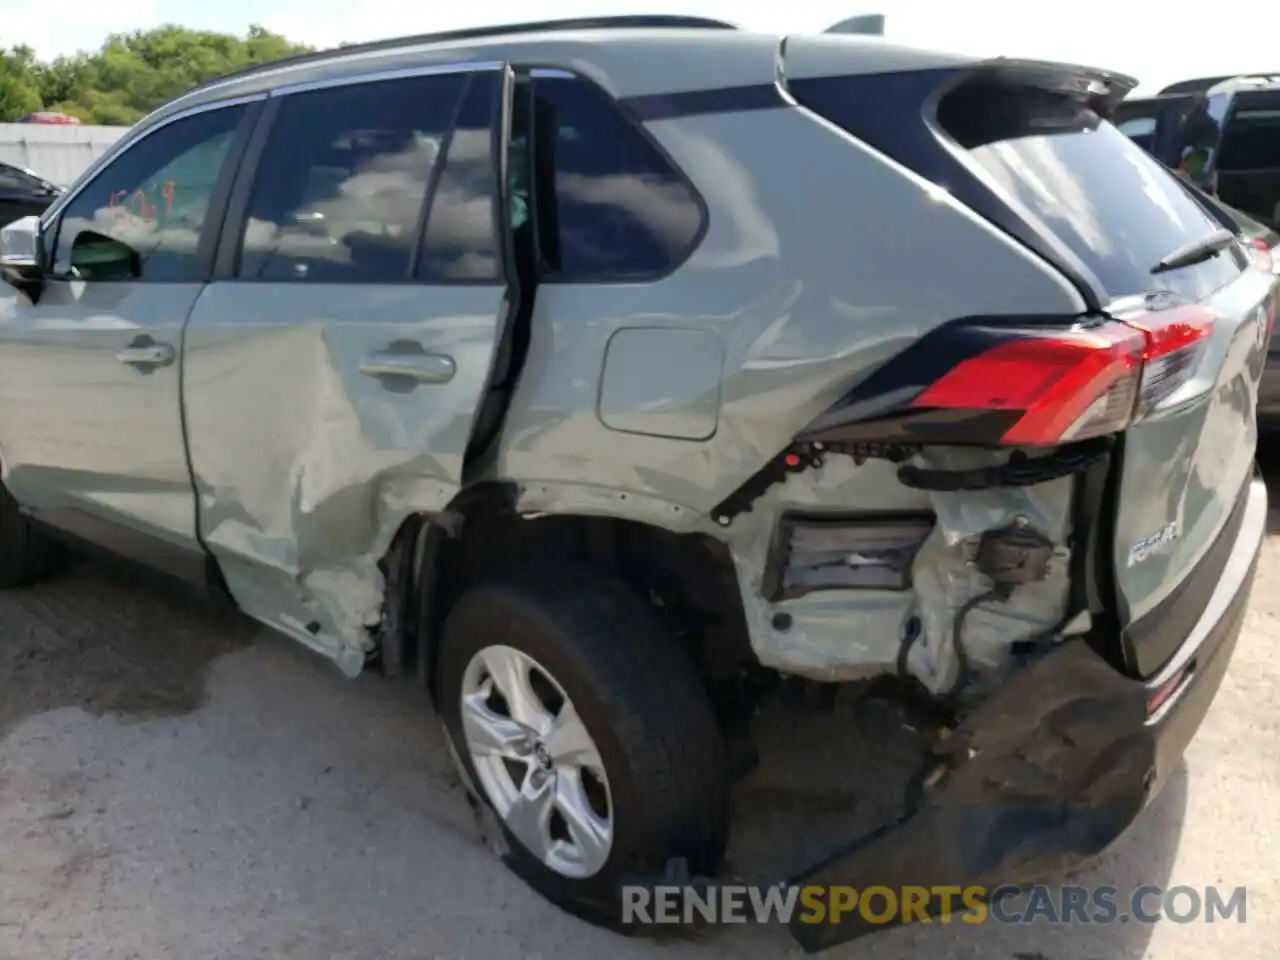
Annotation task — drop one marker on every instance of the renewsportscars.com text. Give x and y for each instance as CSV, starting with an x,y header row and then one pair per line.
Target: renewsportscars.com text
x,y
1067,904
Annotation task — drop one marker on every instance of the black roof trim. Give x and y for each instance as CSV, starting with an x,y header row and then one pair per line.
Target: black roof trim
x,y
627,22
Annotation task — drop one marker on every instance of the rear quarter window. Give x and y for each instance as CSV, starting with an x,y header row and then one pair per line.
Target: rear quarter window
x,y
610,205
1077,177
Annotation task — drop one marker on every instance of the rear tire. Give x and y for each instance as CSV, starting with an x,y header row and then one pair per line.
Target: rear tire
x,y
611,665
26,555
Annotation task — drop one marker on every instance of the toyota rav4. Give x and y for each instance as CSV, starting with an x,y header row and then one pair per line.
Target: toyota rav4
x,y
595,374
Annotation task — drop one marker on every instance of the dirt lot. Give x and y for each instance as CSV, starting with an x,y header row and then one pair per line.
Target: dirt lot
x,y
175,783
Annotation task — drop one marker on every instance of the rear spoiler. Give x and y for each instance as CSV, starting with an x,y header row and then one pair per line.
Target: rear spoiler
x,y
867,25
1104,89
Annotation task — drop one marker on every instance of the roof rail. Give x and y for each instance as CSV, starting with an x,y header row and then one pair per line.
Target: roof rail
x,y
626,22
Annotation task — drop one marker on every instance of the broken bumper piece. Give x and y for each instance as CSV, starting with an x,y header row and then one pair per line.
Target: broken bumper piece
x,y
1054,766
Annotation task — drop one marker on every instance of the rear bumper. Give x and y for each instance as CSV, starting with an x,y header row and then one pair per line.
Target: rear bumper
x,y
1053,768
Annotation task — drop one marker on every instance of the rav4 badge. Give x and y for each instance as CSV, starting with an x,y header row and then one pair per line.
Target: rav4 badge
x,y
1159,542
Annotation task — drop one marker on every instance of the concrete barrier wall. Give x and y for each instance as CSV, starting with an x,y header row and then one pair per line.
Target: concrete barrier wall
x,y
55,152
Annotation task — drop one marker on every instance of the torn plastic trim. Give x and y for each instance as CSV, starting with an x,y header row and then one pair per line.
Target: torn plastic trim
x,y
1020,470
977,614
1016,793
1052,768
851,632
797,459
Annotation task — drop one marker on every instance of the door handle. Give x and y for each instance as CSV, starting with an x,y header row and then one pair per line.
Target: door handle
x,y
419,367
151,355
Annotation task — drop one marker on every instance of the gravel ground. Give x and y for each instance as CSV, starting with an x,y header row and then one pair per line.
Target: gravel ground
x,y
178,783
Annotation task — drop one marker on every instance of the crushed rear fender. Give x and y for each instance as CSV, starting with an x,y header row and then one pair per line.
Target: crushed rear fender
x,y
1052,768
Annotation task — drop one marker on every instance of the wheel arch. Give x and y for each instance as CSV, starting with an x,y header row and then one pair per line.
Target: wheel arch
x,y
434,558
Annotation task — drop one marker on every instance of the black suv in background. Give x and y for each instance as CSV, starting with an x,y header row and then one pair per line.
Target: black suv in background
x,y
1224,135
23,193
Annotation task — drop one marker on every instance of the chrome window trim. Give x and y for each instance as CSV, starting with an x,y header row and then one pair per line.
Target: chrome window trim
x,y
127,142
402,73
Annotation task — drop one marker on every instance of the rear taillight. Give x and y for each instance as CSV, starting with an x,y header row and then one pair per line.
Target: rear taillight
x,y
1079,383
1175,340
1259,244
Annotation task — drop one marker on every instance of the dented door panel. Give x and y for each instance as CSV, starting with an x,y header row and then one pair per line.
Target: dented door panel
x,y
305,465
334,370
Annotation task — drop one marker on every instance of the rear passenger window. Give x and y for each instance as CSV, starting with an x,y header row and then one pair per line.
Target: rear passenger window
x,y
339,194
610,206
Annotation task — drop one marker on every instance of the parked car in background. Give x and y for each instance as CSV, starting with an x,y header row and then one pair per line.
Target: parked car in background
x,y
1265,243
1226,137
49,116
1154,123
605,402
23,193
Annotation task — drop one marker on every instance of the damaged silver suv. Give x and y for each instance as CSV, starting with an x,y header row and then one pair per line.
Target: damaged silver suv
x,y
596,373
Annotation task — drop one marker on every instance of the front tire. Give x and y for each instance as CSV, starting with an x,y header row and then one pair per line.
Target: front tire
x,y
584,728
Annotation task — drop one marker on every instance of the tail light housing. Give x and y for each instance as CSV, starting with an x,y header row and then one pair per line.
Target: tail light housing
x,y
1080,383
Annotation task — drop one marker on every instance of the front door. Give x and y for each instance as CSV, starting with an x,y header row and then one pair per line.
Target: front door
x,y
335,366
90,408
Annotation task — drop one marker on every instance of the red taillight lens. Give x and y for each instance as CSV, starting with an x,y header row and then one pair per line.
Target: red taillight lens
x,y
1078,383
1259,244
1175,339
1073,385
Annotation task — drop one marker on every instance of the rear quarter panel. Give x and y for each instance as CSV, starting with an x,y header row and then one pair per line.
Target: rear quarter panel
x,y
821,260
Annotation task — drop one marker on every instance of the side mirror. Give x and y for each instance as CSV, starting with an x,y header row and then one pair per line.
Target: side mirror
x,y
95,256
20,256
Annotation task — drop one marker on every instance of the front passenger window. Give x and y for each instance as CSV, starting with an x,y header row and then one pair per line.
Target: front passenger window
x,y
142,215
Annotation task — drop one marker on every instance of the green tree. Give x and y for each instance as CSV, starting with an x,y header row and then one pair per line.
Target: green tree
x,y
19,86
132,73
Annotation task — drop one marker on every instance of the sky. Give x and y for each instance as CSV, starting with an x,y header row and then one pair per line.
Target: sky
x,y
1157,42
